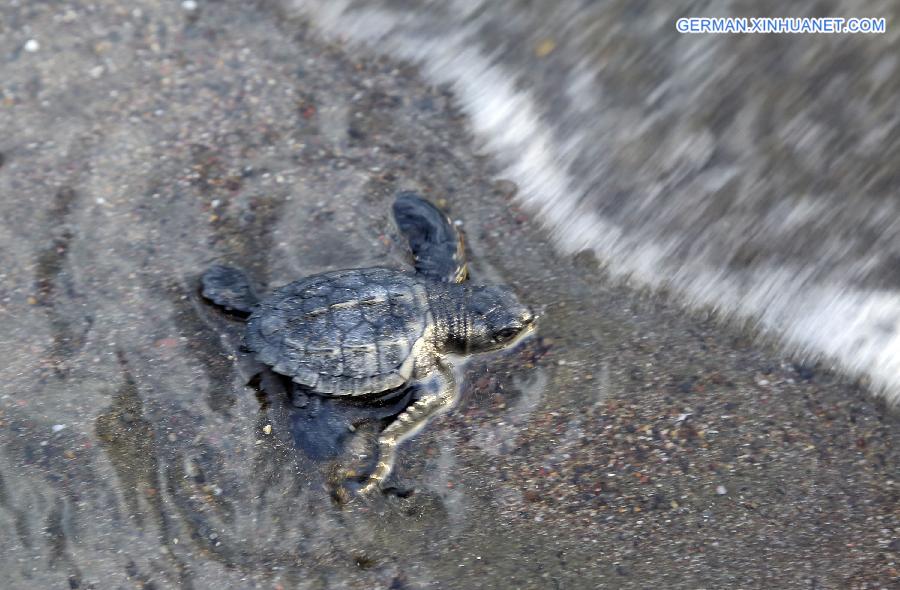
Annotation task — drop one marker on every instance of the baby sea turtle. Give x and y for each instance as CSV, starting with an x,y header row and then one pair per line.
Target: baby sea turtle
x,y
369,333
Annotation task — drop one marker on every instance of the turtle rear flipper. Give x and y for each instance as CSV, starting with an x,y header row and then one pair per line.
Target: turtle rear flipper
x,y
230,288
436,245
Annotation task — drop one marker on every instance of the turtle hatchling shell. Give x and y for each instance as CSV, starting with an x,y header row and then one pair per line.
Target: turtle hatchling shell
x,y
348,332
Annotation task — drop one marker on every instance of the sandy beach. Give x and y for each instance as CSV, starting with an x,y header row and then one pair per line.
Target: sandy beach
x,y
632,443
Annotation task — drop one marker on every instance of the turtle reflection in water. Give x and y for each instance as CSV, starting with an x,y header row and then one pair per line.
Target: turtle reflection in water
x,y
376,334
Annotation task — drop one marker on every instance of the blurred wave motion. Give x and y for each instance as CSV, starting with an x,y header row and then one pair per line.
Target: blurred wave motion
x,y
753,174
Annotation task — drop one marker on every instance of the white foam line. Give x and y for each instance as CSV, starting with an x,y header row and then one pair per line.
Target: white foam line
x,y
856,328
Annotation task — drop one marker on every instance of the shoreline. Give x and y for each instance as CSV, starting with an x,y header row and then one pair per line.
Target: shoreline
x,y
630,444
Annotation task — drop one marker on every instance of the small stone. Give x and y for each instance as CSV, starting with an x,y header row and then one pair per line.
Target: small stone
x,y
721,490
531,495
545,48
31,45
506,188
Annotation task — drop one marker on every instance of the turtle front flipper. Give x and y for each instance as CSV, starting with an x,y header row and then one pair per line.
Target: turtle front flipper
x,y
436,245
230,288
441,397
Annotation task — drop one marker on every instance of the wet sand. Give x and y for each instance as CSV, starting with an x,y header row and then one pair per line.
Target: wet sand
x,y
631,444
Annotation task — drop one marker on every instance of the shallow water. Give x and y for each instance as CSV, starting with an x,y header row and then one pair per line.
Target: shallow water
x,y
630,443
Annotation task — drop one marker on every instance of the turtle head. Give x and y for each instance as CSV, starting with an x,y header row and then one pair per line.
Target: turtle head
x,y
496,316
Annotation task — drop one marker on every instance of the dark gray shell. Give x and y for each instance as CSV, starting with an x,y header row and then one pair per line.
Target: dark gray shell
x,y
348,332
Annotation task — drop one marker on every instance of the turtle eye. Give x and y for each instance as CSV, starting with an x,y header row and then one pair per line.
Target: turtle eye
x,y
505,334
